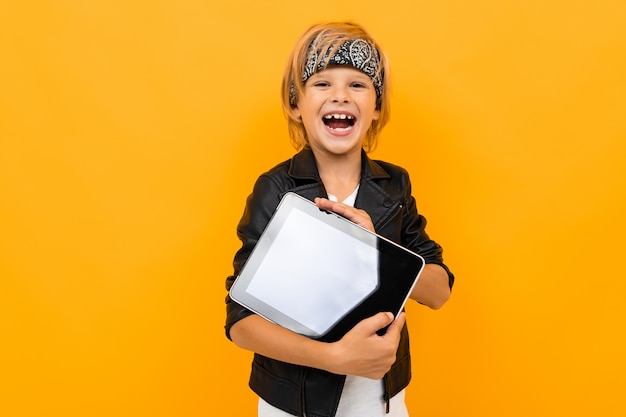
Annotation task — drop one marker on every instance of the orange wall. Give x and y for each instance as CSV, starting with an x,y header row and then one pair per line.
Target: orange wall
x,y
131,133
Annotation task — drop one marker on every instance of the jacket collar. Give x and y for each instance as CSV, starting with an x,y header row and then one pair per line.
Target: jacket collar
x,y
303,166
371,197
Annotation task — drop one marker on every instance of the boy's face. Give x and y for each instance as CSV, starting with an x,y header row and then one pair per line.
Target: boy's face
x,y
337,108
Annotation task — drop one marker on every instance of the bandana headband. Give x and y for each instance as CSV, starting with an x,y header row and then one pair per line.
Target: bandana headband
x,y
358,53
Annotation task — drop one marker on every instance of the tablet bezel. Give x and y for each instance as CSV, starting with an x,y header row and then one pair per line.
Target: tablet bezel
x,y
390,294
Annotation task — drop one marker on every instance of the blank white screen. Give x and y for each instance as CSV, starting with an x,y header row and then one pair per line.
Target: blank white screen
x,y
315,273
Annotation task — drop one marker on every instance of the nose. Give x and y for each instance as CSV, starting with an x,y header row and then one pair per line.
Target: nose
x,y
340,94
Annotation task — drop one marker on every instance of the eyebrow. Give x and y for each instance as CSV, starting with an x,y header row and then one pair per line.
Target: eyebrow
x,y
360,76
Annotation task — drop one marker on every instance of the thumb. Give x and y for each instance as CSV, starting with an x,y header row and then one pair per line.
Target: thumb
x,y
376,322
396,326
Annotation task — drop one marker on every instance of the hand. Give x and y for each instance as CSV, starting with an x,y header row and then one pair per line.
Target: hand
x,y
363,352
355,215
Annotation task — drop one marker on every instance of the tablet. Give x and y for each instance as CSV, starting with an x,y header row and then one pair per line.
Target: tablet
x,y
318,274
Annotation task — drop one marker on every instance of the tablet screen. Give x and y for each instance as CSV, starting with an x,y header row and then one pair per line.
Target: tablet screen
x,y
324,277
318,274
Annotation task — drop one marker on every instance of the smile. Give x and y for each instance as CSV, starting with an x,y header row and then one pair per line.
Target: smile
x,y
339,121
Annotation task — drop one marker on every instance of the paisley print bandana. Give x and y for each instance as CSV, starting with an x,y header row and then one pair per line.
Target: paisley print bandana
x,y
358,53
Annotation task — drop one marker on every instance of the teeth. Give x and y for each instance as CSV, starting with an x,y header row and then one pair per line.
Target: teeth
x,y
338,116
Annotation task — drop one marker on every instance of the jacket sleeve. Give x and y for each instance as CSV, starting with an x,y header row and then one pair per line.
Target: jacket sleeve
x,y
414,235
260,207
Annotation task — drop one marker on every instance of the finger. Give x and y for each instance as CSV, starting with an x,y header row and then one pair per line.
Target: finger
x,y
397,325
326,204
337,208
376,322
395,328
320,202
355,215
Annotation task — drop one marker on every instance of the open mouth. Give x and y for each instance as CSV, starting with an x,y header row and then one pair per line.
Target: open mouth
x,y
339,121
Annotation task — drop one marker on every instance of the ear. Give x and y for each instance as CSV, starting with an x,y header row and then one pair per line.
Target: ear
x,y
296,112
376,114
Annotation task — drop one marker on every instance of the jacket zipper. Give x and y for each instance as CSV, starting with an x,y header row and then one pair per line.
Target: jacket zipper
x,y
393,216
302,396
386,399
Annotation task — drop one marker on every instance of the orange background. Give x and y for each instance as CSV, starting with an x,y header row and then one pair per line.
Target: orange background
x,y
131,133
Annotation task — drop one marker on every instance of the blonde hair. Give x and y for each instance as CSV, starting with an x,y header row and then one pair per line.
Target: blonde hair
x,y
329,37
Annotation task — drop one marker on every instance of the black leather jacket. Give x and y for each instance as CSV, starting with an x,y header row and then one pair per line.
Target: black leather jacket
x,y
385,194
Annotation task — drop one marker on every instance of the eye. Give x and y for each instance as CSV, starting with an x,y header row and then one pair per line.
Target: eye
x,y
321,84
360,84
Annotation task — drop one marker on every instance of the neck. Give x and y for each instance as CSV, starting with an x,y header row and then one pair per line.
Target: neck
x,y
339,173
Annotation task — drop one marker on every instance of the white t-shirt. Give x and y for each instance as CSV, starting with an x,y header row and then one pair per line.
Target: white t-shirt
x,y
361,397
